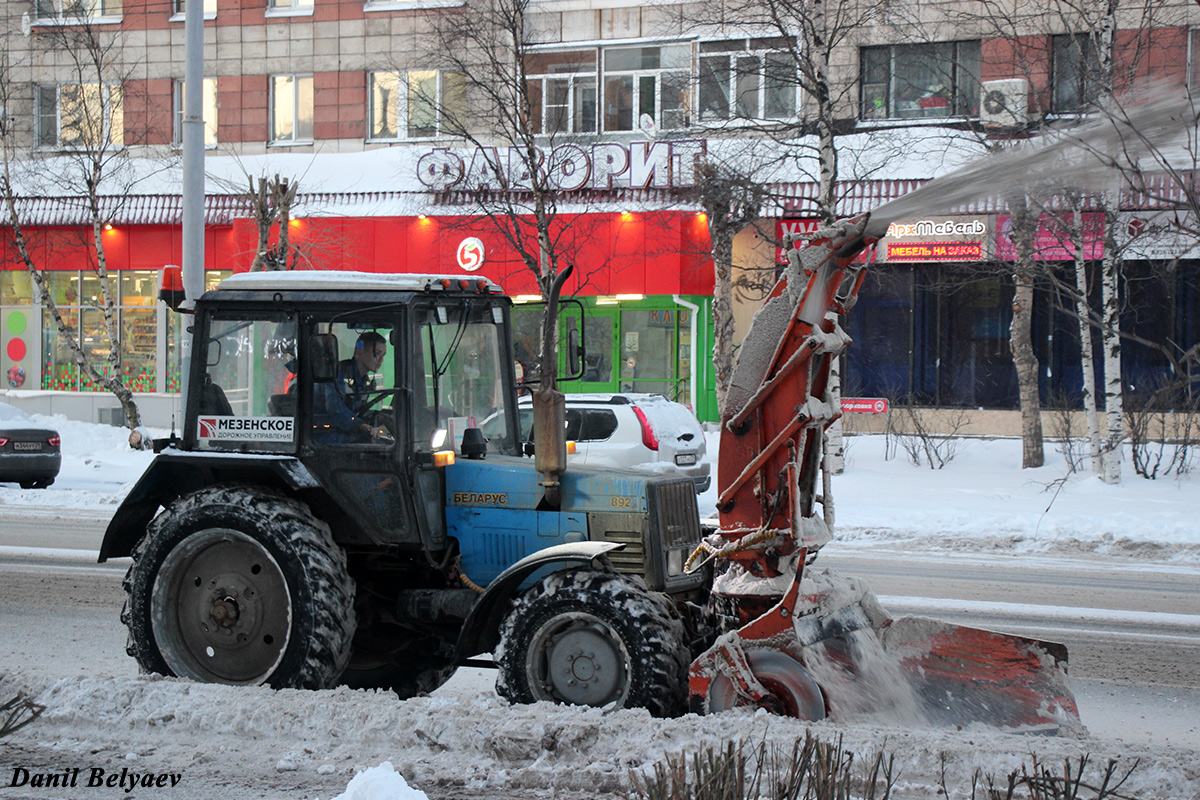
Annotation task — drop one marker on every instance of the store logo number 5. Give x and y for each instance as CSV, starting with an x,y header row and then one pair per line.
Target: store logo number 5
x,y
470,254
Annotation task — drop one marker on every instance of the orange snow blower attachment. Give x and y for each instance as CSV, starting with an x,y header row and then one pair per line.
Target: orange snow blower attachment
x,y
804,641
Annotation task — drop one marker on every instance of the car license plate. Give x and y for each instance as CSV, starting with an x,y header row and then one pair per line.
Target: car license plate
x,y
27,445
685,459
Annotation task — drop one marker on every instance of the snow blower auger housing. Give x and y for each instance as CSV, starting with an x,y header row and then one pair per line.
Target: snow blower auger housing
x,y
805,642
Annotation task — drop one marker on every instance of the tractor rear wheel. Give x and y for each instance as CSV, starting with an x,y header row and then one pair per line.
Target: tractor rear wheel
x,y
593,638
240,585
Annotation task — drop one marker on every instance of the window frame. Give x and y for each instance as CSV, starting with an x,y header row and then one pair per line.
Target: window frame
x,y
297,78
178,12
209,125
404,103
734,51
963,95
638,77
113,125
1084,72
290,8
98,11
575,79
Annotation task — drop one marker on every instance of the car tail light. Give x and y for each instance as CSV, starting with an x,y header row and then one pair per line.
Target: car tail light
x,y
3,441
54,441
648,437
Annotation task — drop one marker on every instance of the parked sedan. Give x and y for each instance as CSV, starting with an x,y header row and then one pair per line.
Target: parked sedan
x,y
29,453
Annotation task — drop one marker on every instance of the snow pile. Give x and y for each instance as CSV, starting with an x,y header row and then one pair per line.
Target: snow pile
x,y
380,783
469,742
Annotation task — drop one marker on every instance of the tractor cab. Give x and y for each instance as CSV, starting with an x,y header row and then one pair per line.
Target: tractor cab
x,y
364,388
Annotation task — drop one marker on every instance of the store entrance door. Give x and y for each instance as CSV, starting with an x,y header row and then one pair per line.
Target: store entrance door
x,y
652,359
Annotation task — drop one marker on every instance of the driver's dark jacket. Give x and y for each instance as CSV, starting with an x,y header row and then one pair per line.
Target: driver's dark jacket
x,y
337,403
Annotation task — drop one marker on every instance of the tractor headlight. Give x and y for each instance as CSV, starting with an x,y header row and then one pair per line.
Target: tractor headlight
x,y
675,559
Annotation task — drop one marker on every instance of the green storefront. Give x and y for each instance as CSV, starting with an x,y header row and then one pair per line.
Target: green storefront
x,y
659,344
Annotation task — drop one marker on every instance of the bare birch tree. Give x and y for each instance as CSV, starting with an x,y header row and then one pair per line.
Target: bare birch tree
x,y
513,178
87,168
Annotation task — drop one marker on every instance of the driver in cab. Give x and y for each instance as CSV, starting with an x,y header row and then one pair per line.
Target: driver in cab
x,y
341,414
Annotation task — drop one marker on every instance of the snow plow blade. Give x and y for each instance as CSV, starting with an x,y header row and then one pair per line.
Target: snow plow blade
x,y
964,675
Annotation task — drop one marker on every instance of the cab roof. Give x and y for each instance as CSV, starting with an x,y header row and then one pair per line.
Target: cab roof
x,y
338,280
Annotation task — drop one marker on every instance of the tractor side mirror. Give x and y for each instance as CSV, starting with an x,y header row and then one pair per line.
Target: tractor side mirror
x,y
323,356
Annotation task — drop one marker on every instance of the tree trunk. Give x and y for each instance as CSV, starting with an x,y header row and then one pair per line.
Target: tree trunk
x,y
1083,312
1111,329
1024,229
721,240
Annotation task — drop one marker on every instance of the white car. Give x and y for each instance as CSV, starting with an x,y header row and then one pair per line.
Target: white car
x,y
631,431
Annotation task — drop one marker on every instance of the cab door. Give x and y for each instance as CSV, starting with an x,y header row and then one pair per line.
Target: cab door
x,y
365,475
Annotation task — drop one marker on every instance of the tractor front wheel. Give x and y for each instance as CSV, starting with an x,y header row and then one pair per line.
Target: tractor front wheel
x,y
593,638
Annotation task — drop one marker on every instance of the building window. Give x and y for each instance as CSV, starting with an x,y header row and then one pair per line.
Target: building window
x,y
208,111
1075,73
415,104
210,7
85,9
291,5
647,86
1194,60
291,109
562,91
746,79
920,81
76,116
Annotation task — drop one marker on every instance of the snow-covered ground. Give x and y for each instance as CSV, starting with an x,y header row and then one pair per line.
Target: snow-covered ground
x,y
464,741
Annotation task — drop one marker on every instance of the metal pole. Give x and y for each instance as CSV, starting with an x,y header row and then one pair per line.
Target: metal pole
x,y
193,177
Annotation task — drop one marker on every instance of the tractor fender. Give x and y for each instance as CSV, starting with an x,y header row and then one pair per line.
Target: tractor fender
x,y
174,474
481,630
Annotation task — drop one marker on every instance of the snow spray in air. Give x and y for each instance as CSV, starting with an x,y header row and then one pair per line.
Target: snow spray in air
x,y
1096,156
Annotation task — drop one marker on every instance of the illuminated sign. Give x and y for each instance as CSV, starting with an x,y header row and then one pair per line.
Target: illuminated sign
x,y
567,167
935,251
470,254
934,239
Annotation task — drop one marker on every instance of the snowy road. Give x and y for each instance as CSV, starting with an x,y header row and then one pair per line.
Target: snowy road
x,y
1111,571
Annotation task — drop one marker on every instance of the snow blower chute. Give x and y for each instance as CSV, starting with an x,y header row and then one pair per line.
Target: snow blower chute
x,y
811,644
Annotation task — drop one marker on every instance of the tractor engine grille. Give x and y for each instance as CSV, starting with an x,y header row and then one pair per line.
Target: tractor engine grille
x,y
658,539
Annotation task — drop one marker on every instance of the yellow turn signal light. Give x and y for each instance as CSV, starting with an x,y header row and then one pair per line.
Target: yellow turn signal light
x,y
443,458
571,449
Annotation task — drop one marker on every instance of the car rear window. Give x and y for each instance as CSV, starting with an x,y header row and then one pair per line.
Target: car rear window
x,y
598,424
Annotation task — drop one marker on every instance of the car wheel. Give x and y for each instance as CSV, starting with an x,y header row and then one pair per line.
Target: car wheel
x,y
593,638
240,585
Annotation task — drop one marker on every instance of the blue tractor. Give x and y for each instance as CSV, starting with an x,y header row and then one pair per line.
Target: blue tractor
x,y
332,513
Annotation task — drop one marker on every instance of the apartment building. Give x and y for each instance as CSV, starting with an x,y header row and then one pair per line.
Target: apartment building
x,y
350,100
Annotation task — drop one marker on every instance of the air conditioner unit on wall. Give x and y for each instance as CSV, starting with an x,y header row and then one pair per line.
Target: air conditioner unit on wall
x,y
1004,104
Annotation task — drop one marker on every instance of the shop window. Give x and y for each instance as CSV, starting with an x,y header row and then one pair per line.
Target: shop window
x,y
746,79
291,109
79,9
562,91
208,113
920,81
79,115
647,84
415,104
1075,73
16,288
